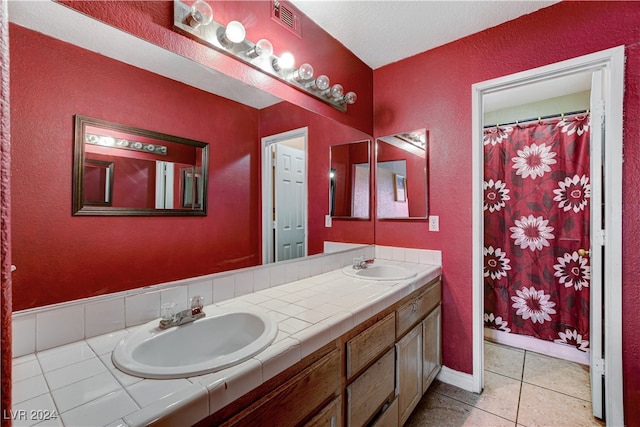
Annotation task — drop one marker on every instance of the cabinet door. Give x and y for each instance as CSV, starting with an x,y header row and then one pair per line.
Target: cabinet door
x,y
329,416
431,348
409,372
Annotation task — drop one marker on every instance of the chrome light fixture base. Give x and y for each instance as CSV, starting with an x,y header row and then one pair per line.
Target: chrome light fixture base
x,y
211,34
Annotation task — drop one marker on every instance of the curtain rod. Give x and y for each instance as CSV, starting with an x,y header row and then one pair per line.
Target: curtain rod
x,y
550,116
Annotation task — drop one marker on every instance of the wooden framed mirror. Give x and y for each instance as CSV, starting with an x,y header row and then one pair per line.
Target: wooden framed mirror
x,y
123,170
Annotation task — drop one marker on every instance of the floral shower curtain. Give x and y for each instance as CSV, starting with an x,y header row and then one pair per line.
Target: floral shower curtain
x,y
536,218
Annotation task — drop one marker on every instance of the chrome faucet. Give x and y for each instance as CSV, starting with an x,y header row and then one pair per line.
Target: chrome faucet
x,y
359,263
169,318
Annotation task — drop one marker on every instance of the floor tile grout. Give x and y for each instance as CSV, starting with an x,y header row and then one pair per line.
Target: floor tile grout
x,y
479,407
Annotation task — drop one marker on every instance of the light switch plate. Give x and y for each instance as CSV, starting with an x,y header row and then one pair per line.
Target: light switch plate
x,y
434,223
327,221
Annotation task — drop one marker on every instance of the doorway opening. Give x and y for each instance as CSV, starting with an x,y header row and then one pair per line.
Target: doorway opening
x,y
284,196
602,73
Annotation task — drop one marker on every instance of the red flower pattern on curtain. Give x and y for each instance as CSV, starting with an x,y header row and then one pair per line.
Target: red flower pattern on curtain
x,y
536,218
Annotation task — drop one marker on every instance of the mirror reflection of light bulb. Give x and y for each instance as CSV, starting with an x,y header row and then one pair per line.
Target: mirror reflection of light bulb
x,y
350,98
337,91
263,49
201,14
304,73
285,61
235,32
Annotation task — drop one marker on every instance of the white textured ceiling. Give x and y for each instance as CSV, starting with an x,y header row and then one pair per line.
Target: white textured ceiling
x,y
383,31
380,32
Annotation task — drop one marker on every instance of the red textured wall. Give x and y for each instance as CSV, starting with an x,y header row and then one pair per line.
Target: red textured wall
x,y
153,21
438,97
5,219
61,257
322,133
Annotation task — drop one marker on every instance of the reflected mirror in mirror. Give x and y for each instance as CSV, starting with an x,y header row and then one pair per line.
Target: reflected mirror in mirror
x,y
349,180
401,175
122,170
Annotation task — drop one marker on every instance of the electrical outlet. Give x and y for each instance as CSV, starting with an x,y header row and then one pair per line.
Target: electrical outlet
x,y
434,223
327,221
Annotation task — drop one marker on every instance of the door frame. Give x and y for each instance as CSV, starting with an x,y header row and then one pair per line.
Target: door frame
x,y
611,60
267,189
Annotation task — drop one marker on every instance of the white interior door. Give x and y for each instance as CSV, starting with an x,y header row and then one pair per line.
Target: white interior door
x,y
596,250
290,200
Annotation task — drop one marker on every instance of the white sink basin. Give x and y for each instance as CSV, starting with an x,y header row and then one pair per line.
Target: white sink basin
x,y
223,338
379,272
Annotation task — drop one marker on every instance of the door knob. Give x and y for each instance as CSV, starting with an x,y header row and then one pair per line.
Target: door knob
x,y
583,252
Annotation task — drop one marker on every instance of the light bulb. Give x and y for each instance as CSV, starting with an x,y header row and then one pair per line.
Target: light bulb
x,y
337,91
320,83
201,14
235,32
304,73
263,49
350,98
285,62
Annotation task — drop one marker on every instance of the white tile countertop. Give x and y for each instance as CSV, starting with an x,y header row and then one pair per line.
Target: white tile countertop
x,y
78,385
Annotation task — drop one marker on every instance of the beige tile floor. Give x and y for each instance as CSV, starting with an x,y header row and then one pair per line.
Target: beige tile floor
x,y
522,389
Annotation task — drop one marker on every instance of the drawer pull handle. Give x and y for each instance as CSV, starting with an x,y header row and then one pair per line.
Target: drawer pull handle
x,y
414,306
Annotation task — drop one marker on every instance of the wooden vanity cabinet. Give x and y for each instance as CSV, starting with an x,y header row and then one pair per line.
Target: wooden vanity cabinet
x,y
369,344
374,376
298,399
389,417
371,390
431,347
409,372
418,354
329,416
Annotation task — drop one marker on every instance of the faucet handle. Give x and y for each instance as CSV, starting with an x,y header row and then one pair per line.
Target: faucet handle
x,y
197,302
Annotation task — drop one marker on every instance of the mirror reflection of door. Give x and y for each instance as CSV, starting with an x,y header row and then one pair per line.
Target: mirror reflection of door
x,y
285,197
289,183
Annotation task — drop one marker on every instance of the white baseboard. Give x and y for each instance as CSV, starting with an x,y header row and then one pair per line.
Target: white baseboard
x,y
456,378
549,348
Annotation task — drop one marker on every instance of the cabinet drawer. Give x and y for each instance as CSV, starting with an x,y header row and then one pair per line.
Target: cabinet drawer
x,y
368,345
329,416
415,309
295,400
370,390
389,418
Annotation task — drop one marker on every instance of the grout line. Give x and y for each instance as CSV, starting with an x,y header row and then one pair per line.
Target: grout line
x,y
524,360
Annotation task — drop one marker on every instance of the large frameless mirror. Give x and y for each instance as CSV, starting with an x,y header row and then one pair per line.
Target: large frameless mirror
x,y
122,170
401,175
350,180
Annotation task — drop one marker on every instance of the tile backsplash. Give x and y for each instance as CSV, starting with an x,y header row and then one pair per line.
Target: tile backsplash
x,y
55,325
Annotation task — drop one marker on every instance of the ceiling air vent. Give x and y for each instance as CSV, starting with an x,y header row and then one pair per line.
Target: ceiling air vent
x,y
287,16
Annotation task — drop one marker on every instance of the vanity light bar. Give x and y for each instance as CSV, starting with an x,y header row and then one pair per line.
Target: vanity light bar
x,y
125,144
259,56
